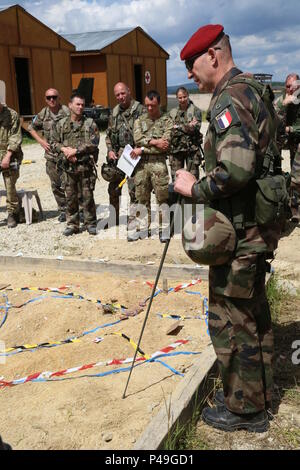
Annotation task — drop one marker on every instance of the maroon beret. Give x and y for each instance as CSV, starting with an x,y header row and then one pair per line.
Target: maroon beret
x,y
201,40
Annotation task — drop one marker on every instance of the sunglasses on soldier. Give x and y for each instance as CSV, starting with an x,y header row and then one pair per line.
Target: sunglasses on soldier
x,y
189,63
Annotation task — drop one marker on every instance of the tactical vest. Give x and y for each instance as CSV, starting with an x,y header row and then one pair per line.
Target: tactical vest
x,y
182,141
123,135
73,139
265,198
49,118
190,112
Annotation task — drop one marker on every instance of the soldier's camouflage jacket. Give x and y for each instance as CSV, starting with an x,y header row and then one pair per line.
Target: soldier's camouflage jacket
x,y
120,126
44,121
145,130
240,131
290,115
82,135
183,139
10,134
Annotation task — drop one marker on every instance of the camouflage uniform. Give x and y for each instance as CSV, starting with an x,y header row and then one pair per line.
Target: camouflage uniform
x,y
120,133
295,186
44,121
151,171
289,117
241,129
184,141
10,139
79,178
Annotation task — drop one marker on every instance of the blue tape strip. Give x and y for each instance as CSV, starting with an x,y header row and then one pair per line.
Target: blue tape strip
x,y
5,307
53,345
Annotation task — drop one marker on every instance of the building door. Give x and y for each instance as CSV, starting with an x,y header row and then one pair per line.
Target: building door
x,y
23,85
138,80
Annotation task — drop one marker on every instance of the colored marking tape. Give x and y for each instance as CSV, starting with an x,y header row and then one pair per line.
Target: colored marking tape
x,y
46,375
51,344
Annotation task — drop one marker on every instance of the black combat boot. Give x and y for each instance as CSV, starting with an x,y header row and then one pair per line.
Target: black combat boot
x,y
12,220
92,229
70,231
219,397
221,418
62,217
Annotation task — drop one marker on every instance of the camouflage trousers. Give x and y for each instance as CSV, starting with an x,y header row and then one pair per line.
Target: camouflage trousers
x,y
12,201
179,159
79,187
295,184
151,174
115,194
55,175
241,332
294,148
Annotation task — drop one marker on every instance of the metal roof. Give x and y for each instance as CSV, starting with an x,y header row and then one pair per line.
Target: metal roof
x,y
97,40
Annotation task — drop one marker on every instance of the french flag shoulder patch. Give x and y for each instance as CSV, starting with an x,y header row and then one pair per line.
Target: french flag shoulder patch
x,y
224,119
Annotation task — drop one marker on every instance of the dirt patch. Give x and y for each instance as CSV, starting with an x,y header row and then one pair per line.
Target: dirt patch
x,y
77,411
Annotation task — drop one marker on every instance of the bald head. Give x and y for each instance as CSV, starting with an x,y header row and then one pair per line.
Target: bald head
x,y
52,99
292,76
291,83
122,94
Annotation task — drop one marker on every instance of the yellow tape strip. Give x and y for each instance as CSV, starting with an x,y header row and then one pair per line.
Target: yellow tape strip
x,y
133,344
122,183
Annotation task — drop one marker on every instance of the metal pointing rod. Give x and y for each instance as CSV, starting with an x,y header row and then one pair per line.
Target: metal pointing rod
x,y
150,303
156,282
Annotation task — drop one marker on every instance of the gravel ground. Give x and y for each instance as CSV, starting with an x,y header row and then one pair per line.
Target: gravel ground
x,y
45,239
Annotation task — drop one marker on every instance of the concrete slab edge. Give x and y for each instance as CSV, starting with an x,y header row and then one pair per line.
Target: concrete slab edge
x,y
181,403
129,269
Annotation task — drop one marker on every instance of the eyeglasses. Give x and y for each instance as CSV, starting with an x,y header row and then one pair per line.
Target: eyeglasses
x,y
52,97
189,63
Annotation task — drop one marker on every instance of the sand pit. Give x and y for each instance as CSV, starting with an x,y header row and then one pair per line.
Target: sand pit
x,y
75,410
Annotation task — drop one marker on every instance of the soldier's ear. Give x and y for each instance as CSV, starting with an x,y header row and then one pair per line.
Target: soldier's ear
x,y
212,55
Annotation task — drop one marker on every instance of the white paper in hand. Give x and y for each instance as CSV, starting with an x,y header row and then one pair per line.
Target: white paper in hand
x,y
126,163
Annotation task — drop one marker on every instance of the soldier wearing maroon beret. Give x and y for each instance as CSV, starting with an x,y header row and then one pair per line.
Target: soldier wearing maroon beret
x,y
241,130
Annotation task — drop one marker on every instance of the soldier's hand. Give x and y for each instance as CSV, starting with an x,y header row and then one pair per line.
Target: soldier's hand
x,y
68,152
184,183
162,144
5,162
193,123
136,152
45,145
112,155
